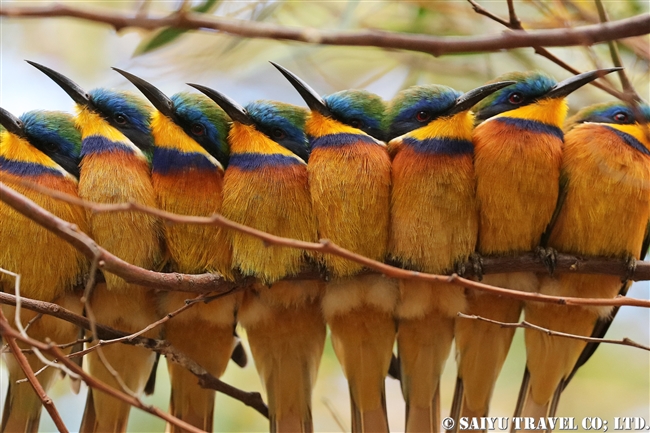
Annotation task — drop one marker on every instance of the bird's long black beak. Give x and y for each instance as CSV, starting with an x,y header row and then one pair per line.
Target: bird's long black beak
x,y
236,112
77,94
471,98
564,88
11,123
157,98
314,101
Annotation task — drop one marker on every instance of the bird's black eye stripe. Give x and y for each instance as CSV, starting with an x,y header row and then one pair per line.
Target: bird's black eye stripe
x,y
516,98
278,134
621,117
120,118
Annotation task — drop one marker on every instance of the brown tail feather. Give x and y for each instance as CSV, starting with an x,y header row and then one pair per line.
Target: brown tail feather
x,y
424,419
188,401
14,420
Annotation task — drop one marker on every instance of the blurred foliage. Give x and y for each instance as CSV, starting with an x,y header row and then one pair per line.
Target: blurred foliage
x,y
341,67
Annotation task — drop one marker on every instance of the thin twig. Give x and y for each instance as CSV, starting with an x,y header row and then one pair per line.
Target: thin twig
x,y
65,345
437,46
29,374
528,325
32,320
513,18
188,304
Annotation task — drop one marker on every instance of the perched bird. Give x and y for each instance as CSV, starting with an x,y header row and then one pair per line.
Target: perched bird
x,y
190,152
349,182
434,226
41,147
265,187
604,211
115,168
518,152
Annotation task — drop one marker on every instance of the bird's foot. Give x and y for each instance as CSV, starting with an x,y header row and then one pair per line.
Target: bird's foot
x,y
548,256
630,268
476,261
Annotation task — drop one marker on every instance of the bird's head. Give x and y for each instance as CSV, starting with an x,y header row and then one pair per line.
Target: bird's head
x,y
47,138
188,121
615,113
108,113
631,123
261,123
534,96
347,111
435,118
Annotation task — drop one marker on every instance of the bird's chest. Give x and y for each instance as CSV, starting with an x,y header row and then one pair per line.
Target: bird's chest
x,y
434,219
274,199
607,206
517,185
122,177
198,192
350,185
32,251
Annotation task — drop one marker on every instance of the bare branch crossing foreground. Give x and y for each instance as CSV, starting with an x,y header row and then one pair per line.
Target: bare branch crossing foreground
x,y
215,283
252,399
437,46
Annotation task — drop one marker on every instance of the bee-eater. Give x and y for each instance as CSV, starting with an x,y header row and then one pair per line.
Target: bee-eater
x,y
517,157
349,182
434,226
604,211
190,153
115,168
265,187
41,147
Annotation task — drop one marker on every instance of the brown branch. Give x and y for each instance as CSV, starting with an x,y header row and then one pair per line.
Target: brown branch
x,y
528,325
251,399
515,25
585,35
525,262
31,377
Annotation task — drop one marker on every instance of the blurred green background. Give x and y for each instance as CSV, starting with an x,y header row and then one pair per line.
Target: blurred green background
x,y
616,382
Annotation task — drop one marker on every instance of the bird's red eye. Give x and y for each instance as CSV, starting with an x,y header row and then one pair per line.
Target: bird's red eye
x,y
120,119
278,134
422,116
49,146
355,123
516,98
620,117
198,129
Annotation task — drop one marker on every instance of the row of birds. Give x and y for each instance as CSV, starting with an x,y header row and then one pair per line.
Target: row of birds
x,y
490,171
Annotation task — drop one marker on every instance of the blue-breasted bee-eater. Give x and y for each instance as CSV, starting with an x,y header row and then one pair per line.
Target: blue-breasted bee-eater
x,y
115,168
604,211
434,226
349,182
190,153
265,187
518,152
41,147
